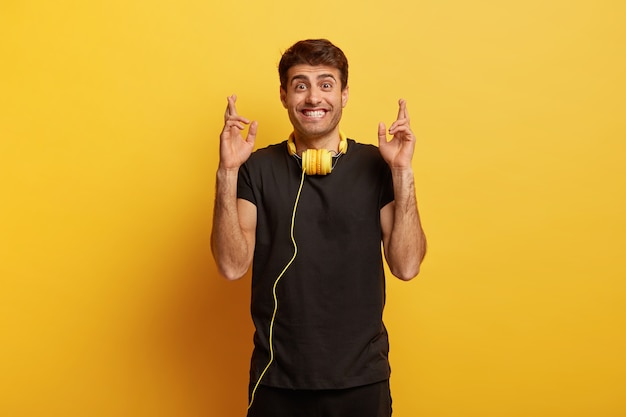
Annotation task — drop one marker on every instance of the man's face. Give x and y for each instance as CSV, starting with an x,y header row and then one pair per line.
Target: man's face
x,y
314,99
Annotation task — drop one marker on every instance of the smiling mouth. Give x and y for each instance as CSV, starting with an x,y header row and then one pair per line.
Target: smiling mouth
x,y
314,114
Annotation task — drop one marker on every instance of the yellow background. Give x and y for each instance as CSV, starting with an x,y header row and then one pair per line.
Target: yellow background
x,y
110,304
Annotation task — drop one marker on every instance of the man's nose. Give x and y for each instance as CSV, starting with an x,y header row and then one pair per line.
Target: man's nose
x,y
314,96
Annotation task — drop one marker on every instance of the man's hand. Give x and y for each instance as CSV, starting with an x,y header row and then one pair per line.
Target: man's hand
x,y
398,152
234,150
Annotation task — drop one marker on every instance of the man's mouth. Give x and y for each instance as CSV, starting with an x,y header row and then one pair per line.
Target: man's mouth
x,y
314,113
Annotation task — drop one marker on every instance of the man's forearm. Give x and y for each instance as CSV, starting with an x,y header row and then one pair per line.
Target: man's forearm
x,y
407,243
228,241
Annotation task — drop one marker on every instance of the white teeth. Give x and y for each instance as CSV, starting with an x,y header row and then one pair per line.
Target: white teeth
x,y
316,113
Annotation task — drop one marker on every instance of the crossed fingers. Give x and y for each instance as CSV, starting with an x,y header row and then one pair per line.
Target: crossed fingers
x,y
402,122
231,117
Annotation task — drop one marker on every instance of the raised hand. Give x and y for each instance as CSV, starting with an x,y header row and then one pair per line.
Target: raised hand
x,y
398,152
234,149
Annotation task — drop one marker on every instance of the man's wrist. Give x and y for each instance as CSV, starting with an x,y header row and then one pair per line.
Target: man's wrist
x,y
402,171
224,171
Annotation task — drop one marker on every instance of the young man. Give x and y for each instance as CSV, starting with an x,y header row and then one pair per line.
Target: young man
x,y
309,214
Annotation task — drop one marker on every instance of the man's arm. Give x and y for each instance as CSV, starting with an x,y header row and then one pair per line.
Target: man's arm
x,y
404,241
234,225
234,220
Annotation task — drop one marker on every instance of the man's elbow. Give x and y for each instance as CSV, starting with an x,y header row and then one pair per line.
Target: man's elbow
x,y
227,268
406,273
408,267
230,273
406,264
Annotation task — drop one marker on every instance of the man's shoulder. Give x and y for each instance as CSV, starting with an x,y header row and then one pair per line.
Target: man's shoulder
x,y
362,149
273,148
268,152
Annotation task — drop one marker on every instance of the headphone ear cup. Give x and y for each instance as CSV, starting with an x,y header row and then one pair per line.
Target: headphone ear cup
x,y
326,162
317,161
308,162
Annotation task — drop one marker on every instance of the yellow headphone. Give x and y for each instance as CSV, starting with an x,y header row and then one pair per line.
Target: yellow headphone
x,y
317,161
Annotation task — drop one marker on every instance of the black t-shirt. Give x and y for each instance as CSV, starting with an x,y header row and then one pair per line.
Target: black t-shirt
x,y
328,331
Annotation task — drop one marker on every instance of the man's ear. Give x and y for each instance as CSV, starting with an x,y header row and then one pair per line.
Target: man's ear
x,y
283,97
344,96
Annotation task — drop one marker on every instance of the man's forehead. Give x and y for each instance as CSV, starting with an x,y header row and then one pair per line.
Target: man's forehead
x,y
312,72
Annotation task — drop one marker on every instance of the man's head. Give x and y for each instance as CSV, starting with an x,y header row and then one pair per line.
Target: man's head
x,y
314,52
314,90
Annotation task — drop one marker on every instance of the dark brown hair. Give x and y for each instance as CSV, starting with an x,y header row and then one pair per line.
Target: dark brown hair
x,y
313,52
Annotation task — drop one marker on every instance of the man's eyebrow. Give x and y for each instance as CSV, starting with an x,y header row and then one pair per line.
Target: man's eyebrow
x,y
302,77
322,76
299,77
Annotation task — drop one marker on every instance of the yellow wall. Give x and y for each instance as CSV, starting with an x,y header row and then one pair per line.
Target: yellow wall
x,y
110,304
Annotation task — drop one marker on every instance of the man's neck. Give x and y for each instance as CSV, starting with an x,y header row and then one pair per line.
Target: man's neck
x,y
329,141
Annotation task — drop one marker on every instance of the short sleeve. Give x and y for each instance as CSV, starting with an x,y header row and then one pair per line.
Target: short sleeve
x,y
244,184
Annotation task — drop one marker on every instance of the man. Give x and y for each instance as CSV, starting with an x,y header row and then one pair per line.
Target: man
x,y
309,214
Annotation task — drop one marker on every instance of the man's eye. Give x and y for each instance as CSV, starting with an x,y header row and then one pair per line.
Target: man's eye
x,y
300,87
327,85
